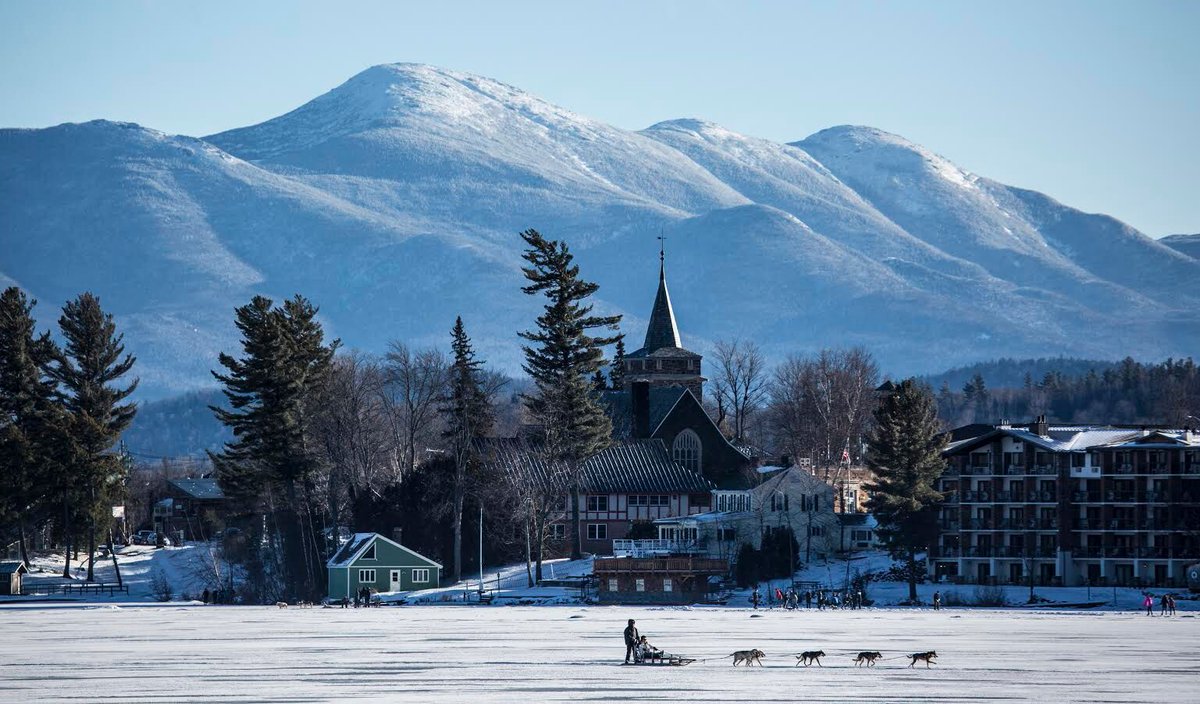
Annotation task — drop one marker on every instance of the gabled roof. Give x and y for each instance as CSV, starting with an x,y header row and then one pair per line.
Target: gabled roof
x,y
353,549
632,466
198,488
8,567
619,406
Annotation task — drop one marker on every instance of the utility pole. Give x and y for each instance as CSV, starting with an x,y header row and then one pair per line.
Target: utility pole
x,y
481,552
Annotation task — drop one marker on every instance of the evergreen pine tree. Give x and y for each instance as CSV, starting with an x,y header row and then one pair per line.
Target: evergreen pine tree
x,y
92,360
616,370
31,421
599,381
468,414
904,451
561,361
269,392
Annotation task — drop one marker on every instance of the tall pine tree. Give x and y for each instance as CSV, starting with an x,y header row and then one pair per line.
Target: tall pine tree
x,y
31,421
88,371
268,469
561,362
904,450
616,370
468,414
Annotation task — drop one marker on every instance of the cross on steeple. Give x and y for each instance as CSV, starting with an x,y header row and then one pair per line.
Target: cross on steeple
x,y
662,248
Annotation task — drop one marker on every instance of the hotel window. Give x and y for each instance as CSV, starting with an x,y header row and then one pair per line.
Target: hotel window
x,y
686,450
597,531
660,500
597,503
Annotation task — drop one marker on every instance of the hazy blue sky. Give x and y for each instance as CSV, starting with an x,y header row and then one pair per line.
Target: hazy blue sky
x,y
1094,103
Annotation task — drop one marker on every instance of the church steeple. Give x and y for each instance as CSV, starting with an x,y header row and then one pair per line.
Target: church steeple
x,y
662,331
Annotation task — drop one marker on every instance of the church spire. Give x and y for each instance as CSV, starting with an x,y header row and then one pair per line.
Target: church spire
x,y
662,331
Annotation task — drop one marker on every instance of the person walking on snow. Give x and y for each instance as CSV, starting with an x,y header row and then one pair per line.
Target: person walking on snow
x,y
631,642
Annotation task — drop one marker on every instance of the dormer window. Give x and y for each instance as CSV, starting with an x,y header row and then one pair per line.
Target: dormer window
x,y
370,553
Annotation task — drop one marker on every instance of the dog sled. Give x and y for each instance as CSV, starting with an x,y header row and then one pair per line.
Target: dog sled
x,y
660,659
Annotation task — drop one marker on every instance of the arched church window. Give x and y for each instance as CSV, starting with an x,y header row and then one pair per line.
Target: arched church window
x,y
686,450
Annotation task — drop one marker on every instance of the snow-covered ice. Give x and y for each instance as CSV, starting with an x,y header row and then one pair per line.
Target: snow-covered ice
x,y
535,654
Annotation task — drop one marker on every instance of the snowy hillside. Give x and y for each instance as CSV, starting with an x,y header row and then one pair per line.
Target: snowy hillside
x,y
394,200
1187,244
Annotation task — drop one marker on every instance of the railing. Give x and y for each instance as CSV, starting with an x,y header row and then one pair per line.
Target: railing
x,y
1046,469
1086,497
1089,524
945,552
1090,551
81,588
1119,496
1015,469
655,548
948,525
1045,497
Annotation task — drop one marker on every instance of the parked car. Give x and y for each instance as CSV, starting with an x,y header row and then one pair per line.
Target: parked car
x,y
149,537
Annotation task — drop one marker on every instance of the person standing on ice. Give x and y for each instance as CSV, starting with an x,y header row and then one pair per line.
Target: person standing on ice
x,y
937,601
755,597
631,642
1148,602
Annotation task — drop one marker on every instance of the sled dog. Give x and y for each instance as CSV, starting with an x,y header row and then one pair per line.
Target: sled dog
x,y
867,656
749,657
809,657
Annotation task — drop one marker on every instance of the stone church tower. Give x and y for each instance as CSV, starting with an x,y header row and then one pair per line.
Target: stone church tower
x,y
662,361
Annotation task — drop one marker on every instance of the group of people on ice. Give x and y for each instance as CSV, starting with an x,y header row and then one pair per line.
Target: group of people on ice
x,y
1167,601
792,599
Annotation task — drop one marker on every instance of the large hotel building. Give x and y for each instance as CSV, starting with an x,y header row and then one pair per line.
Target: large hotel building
x,y
1070,505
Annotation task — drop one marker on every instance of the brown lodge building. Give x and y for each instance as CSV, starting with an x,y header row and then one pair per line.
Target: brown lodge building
x,y
1070,505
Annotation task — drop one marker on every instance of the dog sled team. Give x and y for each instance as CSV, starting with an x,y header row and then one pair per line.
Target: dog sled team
x,y
638,651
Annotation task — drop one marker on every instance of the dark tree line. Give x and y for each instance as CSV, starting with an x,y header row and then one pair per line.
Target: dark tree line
x,y
62,411
1127,392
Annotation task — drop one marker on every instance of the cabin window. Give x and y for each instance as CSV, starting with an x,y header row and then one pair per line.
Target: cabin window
x,y
597,503
420,576
639,584
612,584
597,531
660,500
667,585
637,500
686,450
558,531
366,576
370,553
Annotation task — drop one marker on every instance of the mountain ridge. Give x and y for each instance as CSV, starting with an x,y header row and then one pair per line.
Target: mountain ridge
x,y
393,201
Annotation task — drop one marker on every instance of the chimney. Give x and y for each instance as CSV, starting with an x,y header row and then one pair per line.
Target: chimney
x,y
1040,427
641,409
396,533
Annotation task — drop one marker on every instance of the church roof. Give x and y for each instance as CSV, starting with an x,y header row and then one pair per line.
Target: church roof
x,y
631,466
662,331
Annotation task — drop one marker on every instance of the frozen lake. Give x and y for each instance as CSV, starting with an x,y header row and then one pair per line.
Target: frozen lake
x,y
531,654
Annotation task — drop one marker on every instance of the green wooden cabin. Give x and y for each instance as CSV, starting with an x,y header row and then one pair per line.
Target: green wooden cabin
x,y
371,560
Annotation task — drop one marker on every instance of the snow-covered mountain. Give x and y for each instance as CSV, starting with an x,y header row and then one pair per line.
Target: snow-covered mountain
x,y
1188,244
394,201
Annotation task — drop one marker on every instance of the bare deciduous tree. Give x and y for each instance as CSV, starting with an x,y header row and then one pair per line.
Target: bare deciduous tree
x,y
821,406
355,432
416,380
740,384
